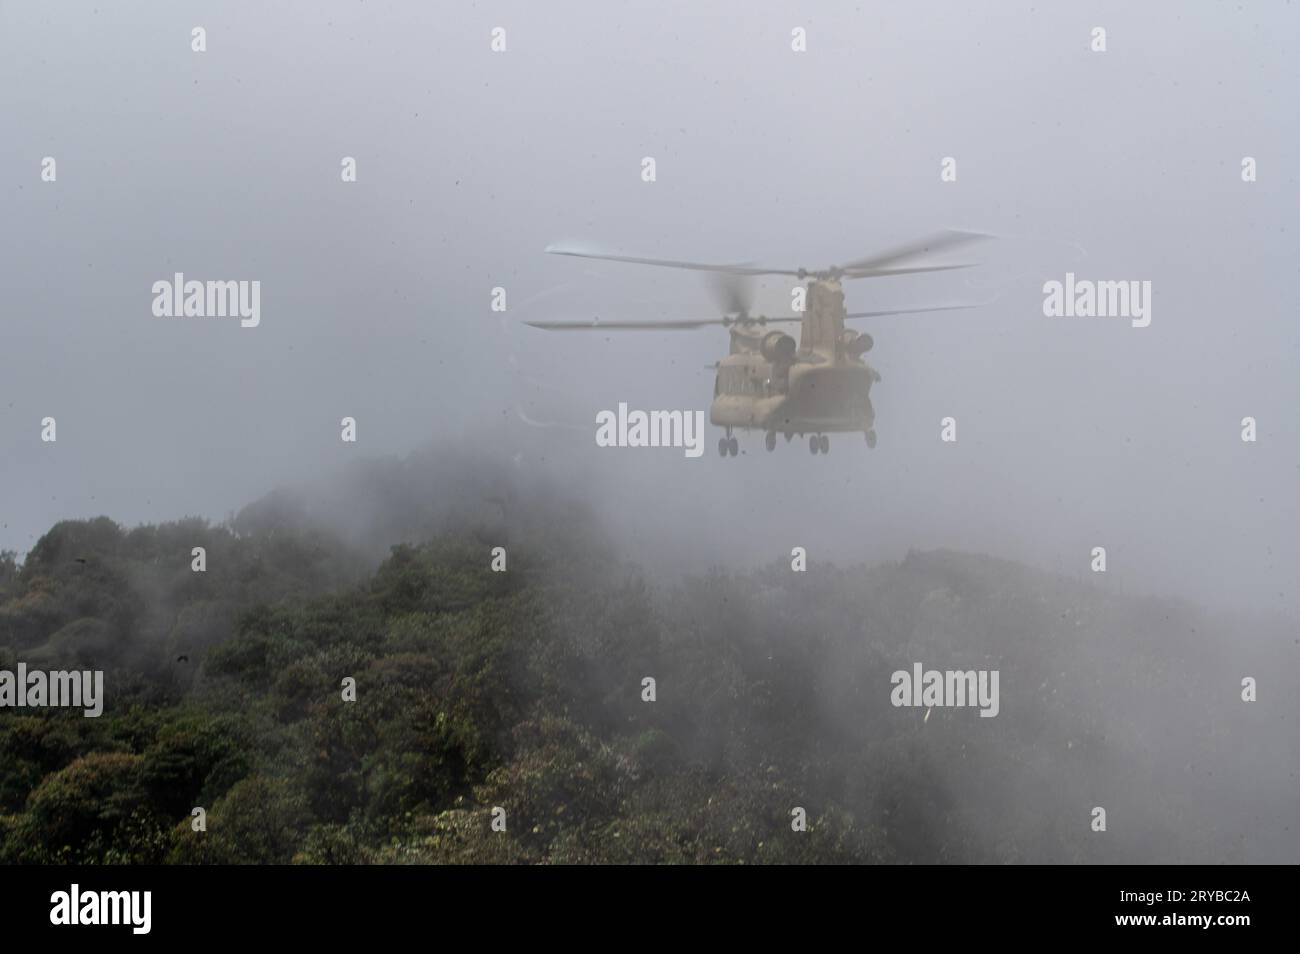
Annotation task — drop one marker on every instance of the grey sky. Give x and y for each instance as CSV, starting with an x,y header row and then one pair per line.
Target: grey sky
x,y
375,294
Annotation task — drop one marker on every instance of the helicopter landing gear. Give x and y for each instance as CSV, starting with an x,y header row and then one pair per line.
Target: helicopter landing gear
x,y
826,443
770,440
728,445
871,438
819,444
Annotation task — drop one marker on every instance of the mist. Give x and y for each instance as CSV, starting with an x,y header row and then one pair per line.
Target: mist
x,y
376,294
376,302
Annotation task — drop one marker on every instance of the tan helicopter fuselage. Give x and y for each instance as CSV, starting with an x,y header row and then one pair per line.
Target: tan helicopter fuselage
x,y
820,386
817,398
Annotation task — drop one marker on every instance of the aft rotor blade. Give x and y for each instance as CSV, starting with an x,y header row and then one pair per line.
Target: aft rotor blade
x,y
940,241
907,270
598,325
669,263
885,312
909,311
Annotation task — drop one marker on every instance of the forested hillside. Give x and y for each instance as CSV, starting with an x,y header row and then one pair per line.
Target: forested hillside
x,y
523,690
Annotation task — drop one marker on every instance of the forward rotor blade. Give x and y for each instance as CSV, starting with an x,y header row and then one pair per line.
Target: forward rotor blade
x,y
940,241
734,294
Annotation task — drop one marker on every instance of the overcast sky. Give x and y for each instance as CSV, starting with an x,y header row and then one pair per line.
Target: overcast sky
x,y
1122,165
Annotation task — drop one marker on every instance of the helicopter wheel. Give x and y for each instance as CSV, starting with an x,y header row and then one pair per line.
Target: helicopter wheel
x,y
770,440
733,445
724,446
814,444
871,438
825,441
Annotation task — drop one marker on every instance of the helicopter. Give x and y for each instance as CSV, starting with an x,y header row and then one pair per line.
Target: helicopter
x,y
768,382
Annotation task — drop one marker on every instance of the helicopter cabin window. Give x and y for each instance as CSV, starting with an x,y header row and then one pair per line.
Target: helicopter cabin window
x,y
740,381
734,380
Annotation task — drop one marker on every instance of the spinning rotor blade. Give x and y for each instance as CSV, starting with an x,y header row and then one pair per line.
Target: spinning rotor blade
x,y
689,324
904,270
885,312
733,293
889,262
910,311
597,325
666,263
882,263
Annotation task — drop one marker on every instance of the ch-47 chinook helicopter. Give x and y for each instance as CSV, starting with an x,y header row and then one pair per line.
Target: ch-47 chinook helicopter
x,y
769,383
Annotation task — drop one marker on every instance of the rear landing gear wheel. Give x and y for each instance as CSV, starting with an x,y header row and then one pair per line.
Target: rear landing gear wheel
x,y
871,438
825,441
770,440
814,444
733,445
723,446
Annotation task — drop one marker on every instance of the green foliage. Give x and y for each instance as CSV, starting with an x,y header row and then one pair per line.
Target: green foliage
x,y
80,806
522,691
259,821
8,571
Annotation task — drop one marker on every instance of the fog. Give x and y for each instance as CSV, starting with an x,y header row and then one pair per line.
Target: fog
x,y
376,305
376,294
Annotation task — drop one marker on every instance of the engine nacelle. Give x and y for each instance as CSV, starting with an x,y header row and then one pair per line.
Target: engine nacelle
x,y
856,344
778,347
